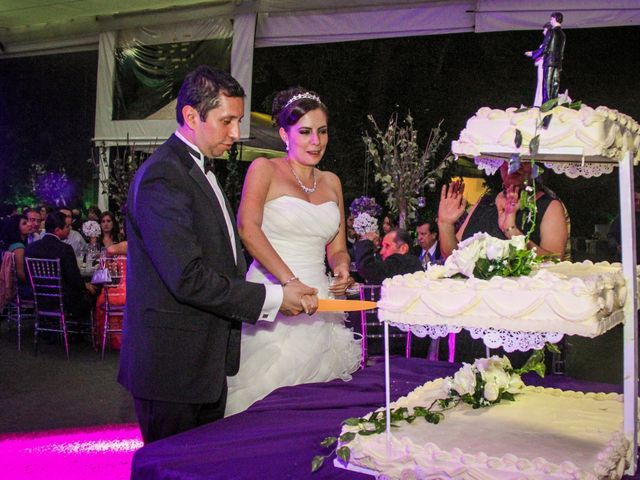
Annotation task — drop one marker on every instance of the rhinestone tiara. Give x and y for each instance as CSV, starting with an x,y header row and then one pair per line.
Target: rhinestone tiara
x,y
301,96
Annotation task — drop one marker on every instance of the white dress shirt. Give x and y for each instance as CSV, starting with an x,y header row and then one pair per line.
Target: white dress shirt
x,y
274,293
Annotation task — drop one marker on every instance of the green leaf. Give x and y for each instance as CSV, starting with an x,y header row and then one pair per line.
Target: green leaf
x,y
534,144
344,454
553,348
576,105
316,463
352,422
328,441
548,105
508,396
347,437
518,139
522,109
546,121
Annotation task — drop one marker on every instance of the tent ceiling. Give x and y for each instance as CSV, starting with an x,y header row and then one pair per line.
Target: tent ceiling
x,y
50,26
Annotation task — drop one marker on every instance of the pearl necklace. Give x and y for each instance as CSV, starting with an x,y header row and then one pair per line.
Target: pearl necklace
x,y
304,188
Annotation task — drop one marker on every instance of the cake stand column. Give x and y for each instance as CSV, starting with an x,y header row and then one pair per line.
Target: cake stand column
x,y
629,262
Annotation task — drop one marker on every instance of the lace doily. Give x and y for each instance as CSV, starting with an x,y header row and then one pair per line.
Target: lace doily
x,y
575,170
512,341
489,164
433,331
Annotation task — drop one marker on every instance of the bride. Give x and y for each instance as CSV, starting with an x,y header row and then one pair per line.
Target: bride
x,y
290,214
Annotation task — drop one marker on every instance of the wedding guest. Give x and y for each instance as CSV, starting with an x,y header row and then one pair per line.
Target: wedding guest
x,y
34,220
395,256
429,253
76,219
76,293
500,215
44,211
73,238
93,213
110,230
388,224
15,232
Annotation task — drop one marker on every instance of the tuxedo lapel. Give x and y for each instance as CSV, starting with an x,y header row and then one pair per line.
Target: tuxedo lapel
x,y
203,184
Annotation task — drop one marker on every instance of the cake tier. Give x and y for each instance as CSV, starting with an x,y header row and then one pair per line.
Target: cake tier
x,y
570,298
600,132
544,433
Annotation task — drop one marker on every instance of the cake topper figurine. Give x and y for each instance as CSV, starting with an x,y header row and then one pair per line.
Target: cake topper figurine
x,y
551,53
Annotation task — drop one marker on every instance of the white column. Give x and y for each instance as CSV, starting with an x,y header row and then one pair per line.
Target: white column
x,y
244,32
629,261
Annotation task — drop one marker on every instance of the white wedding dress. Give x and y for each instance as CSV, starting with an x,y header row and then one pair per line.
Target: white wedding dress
x,y
300,349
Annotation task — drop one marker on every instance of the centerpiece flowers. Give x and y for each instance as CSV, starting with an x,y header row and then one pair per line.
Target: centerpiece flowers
x,y
484,383
91,229
366,205
365,223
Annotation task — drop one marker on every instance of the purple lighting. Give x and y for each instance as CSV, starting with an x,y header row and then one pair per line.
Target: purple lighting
x,y
92,452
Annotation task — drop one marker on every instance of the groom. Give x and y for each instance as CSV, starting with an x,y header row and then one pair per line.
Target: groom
x,y
186,293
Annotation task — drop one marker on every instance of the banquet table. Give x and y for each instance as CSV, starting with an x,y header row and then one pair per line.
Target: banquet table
x,y
277,437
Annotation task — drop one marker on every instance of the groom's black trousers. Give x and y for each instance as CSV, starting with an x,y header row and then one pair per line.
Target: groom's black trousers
x,y
159,419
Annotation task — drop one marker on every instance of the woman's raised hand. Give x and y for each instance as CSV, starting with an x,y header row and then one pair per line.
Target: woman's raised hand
x,y
507,207
452,203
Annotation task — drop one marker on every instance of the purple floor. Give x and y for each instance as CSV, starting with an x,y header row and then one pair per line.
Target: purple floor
x,y
94,453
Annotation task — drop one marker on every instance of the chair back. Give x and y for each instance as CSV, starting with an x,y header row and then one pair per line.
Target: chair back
x,y
46,283
117,267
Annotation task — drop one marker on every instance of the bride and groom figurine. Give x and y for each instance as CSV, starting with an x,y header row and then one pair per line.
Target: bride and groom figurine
x,y
548,60
189,308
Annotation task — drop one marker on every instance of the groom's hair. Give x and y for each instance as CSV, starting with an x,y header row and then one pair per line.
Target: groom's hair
x,y
558,16
202,89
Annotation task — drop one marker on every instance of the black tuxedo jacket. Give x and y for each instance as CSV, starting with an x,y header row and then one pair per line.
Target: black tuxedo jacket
x,y
50,246
186,296
375,270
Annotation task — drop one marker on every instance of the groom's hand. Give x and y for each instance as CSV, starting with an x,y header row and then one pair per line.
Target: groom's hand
x,y
298,298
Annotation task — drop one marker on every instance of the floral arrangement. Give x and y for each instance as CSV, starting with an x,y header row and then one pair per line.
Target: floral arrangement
x,y
402,167
365,223
365,205
483,256
484,383
91,229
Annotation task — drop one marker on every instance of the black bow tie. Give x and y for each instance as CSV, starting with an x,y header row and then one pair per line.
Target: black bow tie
x,y
208,163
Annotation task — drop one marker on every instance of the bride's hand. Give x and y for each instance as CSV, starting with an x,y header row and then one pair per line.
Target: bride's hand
x,y
341,281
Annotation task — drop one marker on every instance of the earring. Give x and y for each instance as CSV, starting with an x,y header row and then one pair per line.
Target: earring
x,y
286,145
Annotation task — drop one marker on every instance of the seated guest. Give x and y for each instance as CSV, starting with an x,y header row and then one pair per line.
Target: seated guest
x,y
15,232
395,253
429,251
500,215
110,230
74,238
388,223
33,219
76,292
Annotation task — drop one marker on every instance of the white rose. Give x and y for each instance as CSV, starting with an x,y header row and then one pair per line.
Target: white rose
x,y
465,258
464,380
498,377
515,384
519,242
484,364
495,250
491,392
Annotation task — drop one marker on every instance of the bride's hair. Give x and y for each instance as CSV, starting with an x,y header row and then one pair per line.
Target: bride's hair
x,y
292,104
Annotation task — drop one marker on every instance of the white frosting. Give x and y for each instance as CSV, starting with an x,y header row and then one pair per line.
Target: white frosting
x,y
544,433
602,132
570,298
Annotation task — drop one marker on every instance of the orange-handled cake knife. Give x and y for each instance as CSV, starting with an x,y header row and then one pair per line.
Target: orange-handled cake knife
x,y
337,305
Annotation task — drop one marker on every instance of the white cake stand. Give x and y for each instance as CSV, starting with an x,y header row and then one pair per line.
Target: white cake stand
x,y
572,162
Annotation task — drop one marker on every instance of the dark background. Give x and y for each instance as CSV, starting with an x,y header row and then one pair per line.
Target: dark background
x,y
47,103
